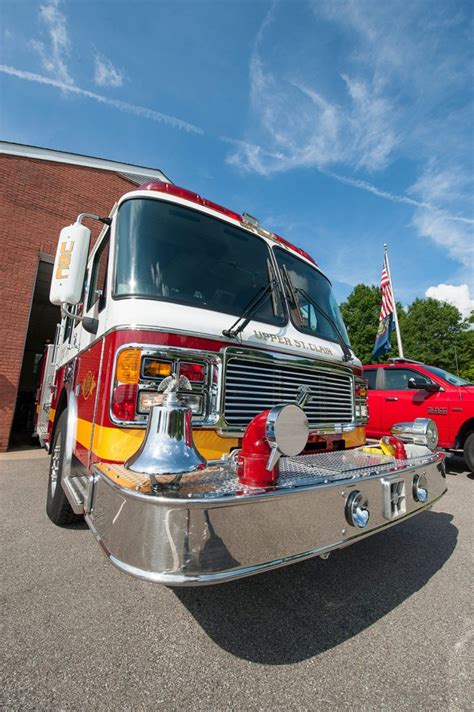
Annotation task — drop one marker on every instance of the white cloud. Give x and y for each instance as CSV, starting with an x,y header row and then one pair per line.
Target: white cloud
x,y
54,54
458,296
55,51
373,135
395,197
456,239
115,103
451,188
105,74
392,92
301,127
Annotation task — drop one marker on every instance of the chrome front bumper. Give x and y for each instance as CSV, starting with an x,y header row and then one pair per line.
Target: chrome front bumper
x,y
213,530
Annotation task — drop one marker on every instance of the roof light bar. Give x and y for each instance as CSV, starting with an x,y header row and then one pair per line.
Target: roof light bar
x,y
188,195
289,244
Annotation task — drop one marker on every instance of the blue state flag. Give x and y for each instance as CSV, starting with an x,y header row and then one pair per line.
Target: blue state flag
x,y
382,340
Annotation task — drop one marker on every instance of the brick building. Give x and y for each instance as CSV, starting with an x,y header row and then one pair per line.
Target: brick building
x,y
41,192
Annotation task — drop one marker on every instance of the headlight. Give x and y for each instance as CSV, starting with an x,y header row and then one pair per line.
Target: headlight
x,y
423,431
147,399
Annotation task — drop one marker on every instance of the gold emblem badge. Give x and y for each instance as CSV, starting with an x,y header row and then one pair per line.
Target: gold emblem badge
x,y
88,385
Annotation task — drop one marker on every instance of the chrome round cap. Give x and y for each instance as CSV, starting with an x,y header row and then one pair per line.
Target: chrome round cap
x,y
420,488
422,431
357,509
431,434
287,429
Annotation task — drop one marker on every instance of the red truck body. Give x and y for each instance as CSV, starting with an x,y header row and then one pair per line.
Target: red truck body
x,y
446,399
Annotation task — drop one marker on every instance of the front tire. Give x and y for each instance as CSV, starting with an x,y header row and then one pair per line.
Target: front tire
x,y
58,508
469,451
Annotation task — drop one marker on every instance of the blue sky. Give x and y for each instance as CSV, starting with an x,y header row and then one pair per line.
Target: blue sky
x,y
340,125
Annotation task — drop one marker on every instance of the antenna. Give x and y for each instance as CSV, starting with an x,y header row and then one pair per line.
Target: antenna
x,y
456,360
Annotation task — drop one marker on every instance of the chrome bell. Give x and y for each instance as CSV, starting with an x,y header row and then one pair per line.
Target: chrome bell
x,y
168,447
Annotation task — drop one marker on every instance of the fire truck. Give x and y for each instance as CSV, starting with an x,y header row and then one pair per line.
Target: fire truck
x,y
202,406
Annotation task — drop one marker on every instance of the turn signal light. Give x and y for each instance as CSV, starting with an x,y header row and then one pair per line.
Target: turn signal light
x,y
192,371
124,399
128,366
156,369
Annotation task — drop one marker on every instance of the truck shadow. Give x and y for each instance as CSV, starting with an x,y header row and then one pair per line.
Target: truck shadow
x,y
299,611
456,465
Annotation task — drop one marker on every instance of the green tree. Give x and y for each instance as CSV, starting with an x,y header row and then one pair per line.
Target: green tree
x,y
432,333
465,349
361,312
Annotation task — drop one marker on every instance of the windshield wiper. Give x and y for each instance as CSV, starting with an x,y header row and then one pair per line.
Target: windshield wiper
x,y
249,310
291,296
293,291
345,349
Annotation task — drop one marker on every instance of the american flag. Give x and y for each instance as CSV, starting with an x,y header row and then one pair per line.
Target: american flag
x,y
387,315
388,306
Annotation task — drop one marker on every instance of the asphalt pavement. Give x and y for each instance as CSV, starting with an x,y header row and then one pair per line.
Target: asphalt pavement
x,y
382,625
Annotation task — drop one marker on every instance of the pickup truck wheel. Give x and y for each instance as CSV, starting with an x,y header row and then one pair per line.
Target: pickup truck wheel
x,y
58,508
469,451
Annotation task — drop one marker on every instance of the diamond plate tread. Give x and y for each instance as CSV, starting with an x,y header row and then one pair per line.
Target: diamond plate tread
x,y
299,471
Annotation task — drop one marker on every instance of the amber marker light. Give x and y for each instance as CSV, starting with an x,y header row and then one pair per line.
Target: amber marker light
x,y
156,369
128,366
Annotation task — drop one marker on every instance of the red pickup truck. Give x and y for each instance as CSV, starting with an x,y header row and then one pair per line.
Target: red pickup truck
x,y
403,390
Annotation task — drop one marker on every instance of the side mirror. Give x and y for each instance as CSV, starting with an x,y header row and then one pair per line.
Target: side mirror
x,y
70,265
89,324
421,384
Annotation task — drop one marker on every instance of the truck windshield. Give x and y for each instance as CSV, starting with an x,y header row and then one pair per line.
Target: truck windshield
x,y
449,377
176,254
307,287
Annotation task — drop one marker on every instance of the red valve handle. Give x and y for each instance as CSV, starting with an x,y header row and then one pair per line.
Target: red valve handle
x,y
253,457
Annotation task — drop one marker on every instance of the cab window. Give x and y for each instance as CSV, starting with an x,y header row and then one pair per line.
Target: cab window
x,y
98,282
396,379
371,377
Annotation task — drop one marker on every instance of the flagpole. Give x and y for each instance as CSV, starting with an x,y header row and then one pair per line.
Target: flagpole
x,y
395,315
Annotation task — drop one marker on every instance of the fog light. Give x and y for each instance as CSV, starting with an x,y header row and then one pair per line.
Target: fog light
x,y
420,489
357,509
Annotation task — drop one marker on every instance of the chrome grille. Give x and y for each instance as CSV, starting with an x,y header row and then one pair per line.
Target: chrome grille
x,y
252,386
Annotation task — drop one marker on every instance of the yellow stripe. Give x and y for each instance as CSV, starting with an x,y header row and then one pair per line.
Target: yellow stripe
x,y
120,443
355,438
52,413
211,445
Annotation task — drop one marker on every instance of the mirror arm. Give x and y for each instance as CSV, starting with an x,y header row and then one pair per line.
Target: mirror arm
x,y
91,216
90,324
